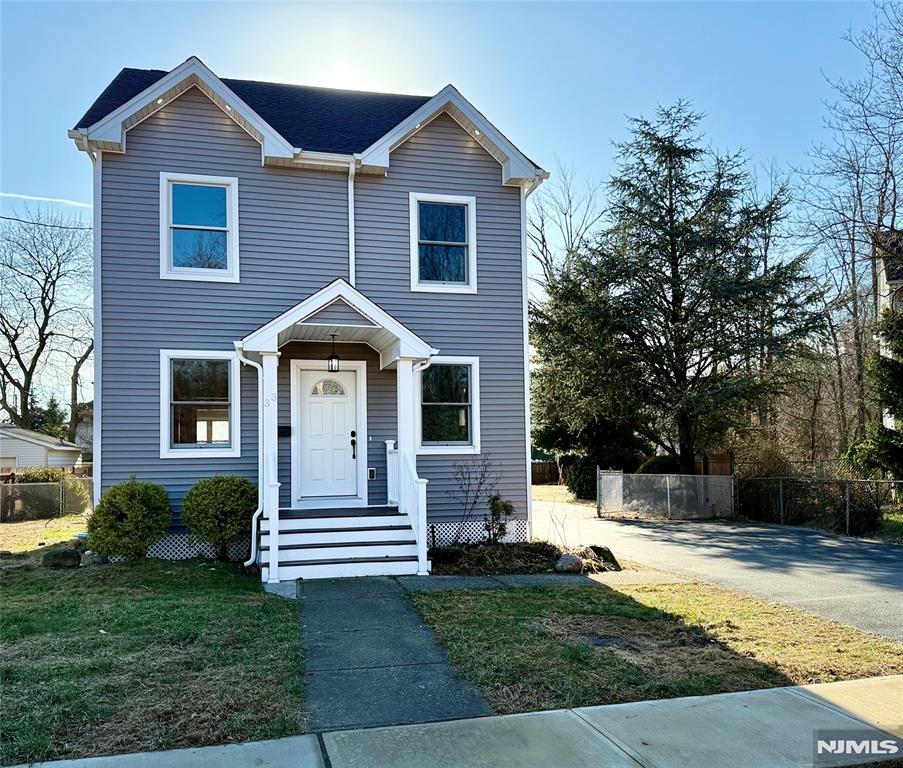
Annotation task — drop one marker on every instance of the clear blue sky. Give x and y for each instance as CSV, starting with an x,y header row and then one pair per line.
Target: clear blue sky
x,y
557,78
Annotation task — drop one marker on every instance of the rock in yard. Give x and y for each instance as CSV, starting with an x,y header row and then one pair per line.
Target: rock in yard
x,y
62,558
569,563
607,557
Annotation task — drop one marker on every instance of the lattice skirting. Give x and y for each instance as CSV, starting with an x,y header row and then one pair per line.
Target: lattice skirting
x,y
179,546
441,534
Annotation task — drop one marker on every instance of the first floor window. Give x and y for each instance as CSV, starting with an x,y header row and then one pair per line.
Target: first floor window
x,y
200,403
449,406
198,221
443,243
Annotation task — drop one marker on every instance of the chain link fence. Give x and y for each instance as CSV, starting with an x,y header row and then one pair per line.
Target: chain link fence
x,y
853,507
664,497
43,501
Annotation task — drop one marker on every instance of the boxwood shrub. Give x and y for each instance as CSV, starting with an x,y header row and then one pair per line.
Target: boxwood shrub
x,y
129,518
218,510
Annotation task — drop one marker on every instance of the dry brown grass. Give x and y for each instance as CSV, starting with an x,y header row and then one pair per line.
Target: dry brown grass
x,y
29,535
544,648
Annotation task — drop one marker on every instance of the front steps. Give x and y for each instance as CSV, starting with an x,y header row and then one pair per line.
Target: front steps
x,y
353,541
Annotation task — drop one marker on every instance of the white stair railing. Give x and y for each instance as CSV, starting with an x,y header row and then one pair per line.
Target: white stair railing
x,y
412,501
391,472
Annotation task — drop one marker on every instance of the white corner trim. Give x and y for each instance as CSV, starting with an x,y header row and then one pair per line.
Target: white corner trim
x,y
414,199
516,167
296,365
454,449
234,448
97,432
525,255
167,272
111,129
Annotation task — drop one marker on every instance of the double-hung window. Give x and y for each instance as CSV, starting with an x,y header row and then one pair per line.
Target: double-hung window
x,y
199,404
198,227
443,243
448,417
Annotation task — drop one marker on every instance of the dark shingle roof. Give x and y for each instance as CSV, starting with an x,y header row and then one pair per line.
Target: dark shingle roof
x,y
310,118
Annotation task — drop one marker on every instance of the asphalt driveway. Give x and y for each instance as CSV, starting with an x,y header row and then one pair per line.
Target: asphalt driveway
x,y
843,579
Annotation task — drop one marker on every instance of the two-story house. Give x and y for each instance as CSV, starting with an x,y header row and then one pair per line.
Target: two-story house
x,y
322,290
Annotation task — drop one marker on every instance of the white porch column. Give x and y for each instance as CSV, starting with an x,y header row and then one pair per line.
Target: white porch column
x,y
405,400
271,458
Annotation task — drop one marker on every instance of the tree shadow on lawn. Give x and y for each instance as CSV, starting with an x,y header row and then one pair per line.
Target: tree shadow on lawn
x,y
549,648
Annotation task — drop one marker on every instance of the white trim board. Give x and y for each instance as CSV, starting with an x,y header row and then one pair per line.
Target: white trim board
x,y
414,200
296,365
234,448
455,449
97,431
231,273
409,344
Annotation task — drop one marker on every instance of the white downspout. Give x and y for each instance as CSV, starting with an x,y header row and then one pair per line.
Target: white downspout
x,y
255,518
351,266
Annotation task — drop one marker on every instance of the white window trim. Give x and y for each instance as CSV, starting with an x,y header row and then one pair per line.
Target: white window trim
x,y
462,450
471,203
166,449
168,272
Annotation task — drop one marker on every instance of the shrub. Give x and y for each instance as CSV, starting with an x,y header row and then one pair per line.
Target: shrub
x,y
218,510
496,522
42,505
582,478
665,464
129,518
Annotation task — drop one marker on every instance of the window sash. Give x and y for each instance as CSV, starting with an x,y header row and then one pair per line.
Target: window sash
x,y
221,404
466,404
199,227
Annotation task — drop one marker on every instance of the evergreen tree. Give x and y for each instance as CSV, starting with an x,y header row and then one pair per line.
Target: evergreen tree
x,y
51,420
883,449
657,326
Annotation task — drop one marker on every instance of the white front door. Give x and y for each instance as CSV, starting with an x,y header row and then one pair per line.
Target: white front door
x,y
328,430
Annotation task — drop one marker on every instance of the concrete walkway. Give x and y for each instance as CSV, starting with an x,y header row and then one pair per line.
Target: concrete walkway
x,y
840,578
369,661
758,729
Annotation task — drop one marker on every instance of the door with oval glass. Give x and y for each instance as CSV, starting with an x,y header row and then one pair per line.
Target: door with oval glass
x,y
329,445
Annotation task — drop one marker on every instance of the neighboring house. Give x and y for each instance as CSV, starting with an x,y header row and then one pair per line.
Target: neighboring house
x,y
336,277
890,281
21,448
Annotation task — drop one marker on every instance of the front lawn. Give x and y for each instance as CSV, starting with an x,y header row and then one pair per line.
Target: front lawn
x,y
146,656
553,647
31,535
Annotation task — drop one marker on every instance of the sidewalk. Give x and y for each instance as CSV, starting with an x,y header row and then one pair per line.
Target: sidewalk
x,y
757,729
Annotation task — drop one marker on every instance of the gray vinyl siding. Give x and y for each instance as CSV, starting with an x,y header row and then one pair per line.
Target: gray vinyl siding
x,y
443,159
338,313
293,241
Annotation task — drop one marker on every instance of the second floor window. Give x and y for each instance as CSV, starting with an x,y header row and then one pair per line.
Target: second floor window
x,y
198,228
443,243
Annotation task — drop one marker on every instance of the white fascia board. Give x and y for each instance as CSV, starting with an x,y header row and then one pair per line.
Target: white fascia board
x,y
516,167
266,338
111,130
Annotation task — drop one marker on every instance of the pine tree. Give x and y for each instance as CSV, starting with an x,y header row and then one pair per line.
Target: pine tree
x,y
883,450
51,420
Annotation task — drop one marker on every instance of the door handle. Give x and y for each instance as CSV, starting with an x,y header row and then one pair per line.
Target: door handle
x,y
353,448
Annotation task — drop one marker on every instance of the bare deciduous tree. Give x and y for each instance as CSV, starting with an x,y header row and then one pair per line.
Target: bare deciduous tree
x,y
45,317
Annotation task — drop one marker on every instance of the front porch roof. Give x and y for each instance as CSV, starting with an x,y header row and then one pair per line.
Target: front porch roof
x,y
340,309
